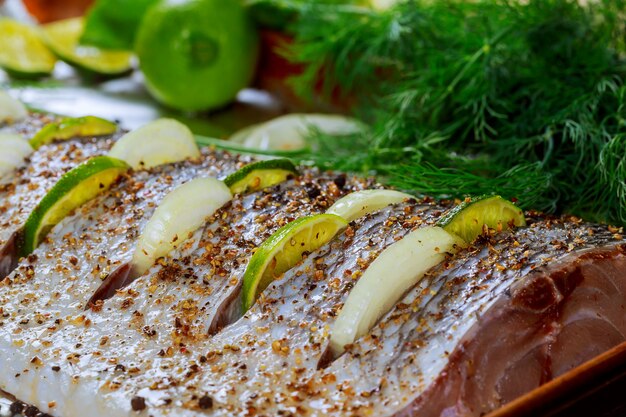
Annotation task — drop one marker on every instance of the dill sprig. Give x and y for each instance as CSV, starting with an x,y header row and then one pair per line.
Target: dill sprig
x,y
524,99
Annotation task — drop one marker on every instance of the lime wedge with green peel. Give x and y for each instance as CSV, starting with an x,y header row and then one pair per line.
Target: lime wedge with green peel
x,y
22,52
398,268
11,110
73,189
63,38
360,203
72,127
468,218
159,142
258,175
15,149
180,213
197,54
284,249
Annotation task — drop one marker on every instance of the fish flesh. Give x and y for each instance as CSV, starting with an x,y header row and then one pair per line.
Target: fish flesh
x,y
232,234
489,325
85,247
272,360
29,125
21,192
132,329
175,341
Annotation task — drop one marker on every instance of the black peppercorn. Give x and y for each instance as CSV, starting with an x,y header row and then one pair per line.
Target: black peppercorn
x,y
138,403
205,402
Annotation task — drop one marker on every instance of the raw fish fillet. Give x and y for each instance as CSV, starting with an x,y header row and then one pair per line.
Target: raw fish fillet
x,y
495,320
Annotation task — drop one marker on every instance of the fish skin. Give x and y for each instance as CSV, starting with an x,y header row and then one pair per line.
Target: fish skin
x,y
397,369
538,346
21,193
228,238
30,125
157,347
165,351
50,287
32,182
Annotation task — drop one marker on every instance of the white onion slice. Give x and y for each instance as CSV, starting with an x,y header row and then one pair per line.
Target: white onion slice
x,y
180,213
159,142
360,203
13,150
386,280
11,110
287,133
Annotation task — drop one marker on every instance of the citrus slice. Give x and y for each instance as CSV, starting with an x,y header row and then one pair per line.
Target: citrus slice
x,y
284,249
73,189
180,213
14,150
398,268
467,219
71,127
359,203
11,110
159,142
22,52
258,175
63,38
289,132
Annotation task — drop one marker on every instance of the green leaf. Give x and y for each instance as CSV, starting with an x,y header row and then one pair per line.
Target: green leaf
x,y
112,24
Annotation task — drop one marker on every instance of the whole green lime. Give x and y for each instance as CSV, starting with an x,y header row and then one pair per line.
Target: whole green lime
x,y
197,54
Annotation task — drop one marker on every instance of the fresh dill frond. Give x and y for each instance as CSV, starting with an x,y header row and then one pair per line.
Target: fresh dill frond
x,y
523,99
526,183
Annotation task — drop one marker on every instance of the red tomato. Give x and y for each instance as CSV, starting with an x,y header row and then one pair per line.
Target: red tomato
x,y
50,10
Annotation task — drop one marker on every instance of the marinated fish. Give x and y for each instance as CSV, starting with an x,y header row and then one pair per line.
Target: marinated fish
x,y
87,246
26,187
29,125
493,321
237,362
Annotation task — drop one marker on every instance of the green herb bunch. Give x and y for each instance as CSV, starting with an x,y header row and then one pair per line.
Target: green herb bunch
x,y
523,99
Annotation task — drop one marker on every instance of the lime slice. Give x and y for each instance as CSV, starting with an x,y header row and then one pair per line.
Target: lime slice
x,y
288,133
284,249
159,142
258,175
467,219
73,189
22,52
180,213
14,150
63,39
72,127
386,280
11,110
359,203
